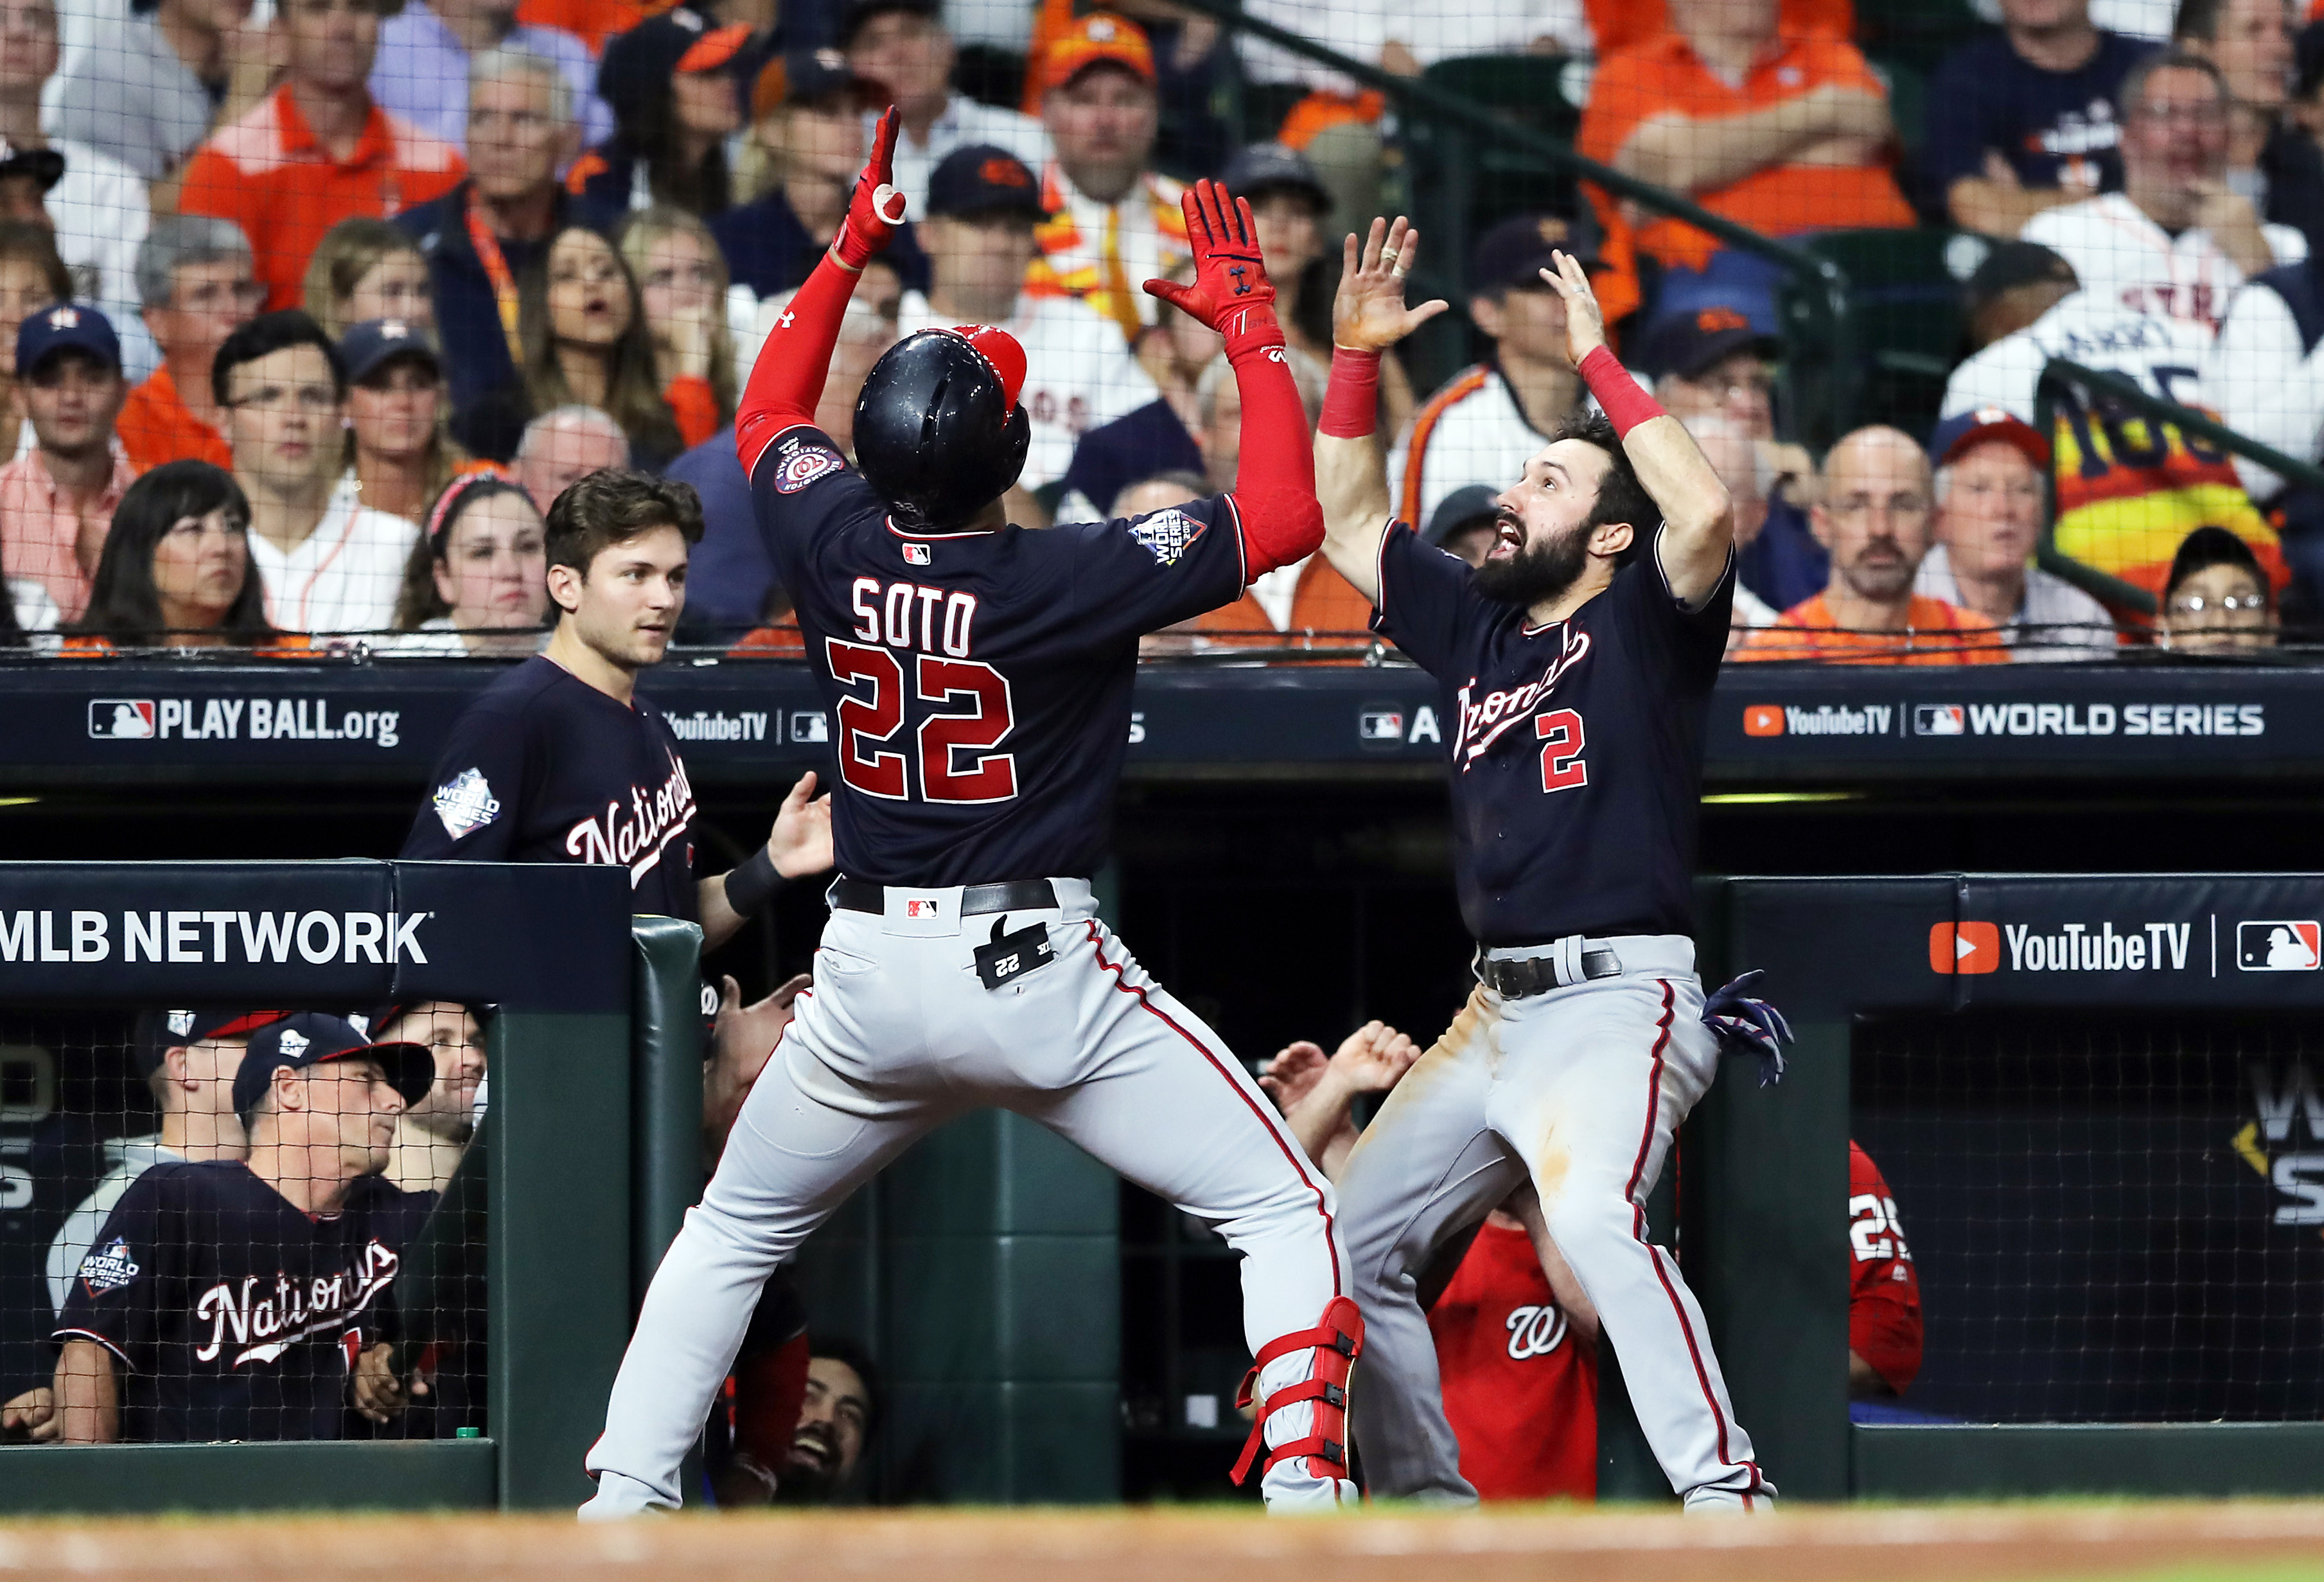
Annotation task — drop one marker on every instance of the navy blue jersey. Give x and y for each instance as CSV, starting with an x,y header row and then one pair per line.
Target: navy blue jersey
x,y
544,767
230,1314
1577,746
979,683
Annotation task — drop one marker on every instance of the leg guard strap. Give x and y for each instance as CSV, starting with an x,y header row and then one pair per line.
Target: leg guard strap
x,y
1337,1341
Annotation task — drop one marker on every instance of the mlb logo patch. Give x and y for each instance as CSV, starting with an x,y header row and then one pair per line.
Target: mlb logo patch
x,y
1940,720
1381,725
917,555
921,906
2283,946
121,719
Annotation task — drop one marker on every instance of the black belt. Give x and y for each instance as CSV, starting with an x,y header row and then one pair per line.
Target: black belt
x,y
1023,894
1515,979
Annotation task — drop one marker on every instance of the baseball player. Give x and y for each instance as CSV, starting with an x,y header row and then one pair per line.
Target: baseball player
x,y
1576,665
980,679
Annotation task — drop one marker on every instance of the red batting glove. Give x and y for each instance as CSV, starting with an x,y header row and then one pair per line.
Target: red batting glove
x,y
1232,292
875,208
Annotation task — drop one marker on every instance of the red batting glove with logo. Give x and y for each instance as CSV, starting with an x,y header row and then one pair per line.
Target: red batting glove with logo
x,y
1232,292
876,208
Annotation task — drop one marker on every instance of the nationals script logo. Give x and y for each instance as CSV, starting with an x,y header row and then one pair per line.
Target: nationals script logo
x,y
637,841
1483,722
266,1320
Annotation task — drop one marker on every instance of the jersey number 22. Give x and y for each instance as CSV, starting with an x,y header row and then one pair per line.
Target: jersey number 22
x,y
952,761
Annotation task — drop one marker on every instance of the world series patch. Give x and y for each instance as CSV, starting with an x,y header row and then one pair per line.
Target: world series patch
x,y
1167,534
108,1268
466,803
804,466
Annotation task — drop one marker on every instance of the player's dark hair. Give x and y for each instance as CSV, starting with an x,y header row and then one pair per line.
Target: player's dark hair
x,y
1621,498
840,1348
614,506
2210,545
124,604
267,334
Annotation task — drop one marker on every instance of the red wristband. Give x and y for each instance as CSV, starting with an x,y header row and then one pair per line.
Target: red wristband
x,y
1351,401
1618,395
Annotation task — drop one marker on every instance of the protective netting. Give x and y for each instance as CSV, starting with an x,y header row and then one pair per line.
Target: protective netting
x,y
2115,1217
228,1223
1949,267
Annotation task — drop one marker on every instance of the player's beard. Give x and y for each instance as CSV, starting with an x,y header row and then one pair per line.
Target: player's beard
x,y
810,1480
1539,572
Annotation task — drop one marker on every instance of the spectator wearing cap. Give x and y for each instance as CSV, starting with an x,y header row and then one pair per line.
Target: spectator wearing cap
x,y
330,563
96,204
2023,119
806,119
1873,516
428,49
487,234
671,82
365,269
58,498
984,208
904,47
150,94
2271,158
316,150
1463,521
1990,495
396,444
435,1129
1113,224
195,278
1494,416
2013,285
176,1329
187,1059
2217,599
478,578
2178,239
1711,363
1782,133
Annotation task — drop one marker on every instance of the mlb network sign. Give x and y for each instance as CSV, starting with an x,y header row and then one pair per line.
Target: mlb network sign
x,y
212,938
1971,947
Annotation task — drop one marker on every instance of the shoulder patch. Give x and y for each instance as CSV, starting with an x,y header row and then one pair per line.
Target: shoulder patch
x,y
466,803
109,1267
1167,534
804,465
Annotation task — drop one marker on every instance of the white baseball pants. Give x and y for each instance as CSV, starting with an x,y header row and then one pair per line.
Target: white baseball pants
x,y
898,1035
1580,1089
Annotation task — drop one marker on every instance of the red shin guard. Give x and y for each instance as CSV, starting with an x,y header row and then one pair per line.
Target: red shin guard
x,y
1337,1339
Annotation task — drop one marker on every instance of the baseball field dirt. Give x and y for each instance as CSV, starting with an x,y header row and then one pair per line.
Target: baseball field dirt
x,y
2260,1541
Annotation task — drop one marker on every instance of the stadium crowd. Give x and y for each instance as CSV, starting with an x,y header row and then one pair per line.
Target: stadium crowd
x,y
315,262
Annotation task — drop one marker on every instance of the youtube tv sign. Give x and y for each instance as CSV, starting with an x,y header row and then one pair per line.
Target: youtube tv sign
x,y
1964,948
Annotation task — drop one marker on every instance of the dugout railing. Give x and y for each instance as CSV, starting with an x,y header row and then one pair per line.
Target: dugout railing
x,y
2095,1101
592,1046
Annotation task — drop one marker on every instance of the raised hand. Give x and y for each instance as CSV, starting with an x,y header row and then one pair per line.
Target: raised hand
x,y
1293,1074
800,843
1369,313
1230,277
875,208
1373,1058
1585,321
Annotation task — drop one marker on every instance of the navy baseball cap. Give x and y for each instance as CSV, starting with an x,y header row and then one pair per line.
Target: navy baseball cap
x,y
1512,254
806,76
160,1032
982,179
44,165
1686,343
309,1038
1463,507
375,342
1965,430
2011,264
66,326
1263,168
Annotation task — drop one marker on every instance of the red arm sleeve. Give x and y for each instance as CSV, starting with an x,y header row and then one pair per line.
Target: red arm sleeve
x,y
788,380
1275,482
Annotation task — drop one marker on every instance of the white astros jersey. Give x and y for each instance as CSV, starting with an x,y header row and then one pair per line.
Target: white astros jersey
x,y
2124,258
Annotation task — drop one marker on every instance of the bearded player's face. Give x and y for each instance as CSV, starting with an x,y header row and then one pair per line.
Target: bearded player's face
x,y
627,607
1541,533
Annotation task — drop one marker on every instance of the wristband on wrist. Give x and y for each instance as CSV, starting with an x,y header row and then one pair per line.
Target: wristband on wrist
x,y
1250,329
752,883
1351,401
1626,406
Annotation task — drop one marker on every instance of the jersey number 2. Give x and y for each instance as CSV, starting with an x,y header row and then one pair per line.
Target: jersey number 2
x,y
1561,768
944,739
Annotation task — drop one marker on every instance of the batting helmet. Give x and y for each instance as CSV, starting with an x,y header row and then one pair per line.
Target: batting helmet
x,y
938,432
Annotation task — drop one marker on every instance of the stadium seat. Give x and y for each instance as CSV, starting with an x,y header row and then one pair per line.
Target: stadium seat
x,y
1905,334
1919,32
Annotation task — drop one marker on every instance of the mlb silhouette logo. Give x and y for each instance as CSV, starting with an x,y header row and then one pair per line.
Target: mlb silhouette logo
x,y
1964,948
121,719
1381,725
2279,946
917,555
1940,720
1763,720
920,908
